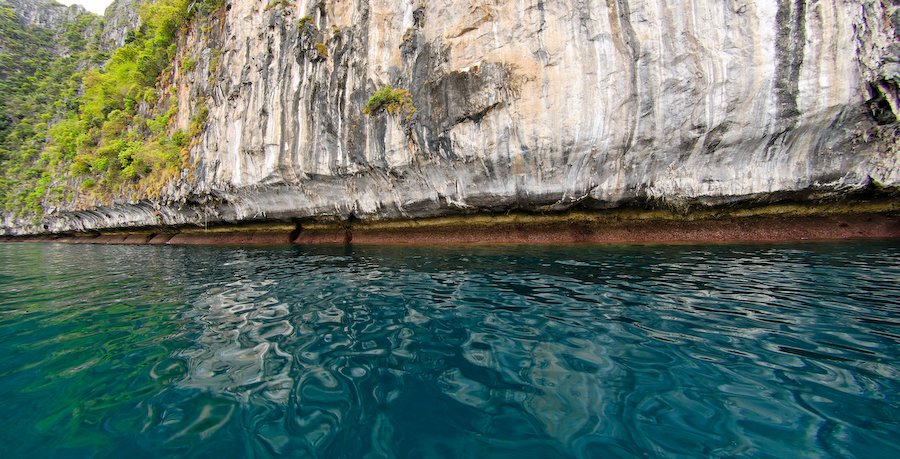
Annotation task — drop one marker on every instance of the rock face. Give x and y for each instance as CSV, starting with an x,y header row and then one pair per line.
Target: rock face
x,y
526,104
45,13
122,18
50,16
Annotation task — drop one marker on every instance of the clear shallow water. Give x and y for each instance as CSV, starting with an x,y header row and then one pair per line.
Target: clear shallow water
x,y
137,351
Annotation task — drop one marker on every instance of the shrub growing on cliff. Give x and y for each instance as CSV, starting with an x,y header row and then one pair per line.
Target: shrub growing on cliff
x,y
214,58
198,120
277,3
189,64
322,49
204,7
394,101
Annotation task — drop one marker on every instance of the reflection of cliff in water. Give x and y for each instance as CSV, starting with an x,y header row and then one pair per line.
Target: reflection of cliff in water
x,y
239,351
371,336
563,350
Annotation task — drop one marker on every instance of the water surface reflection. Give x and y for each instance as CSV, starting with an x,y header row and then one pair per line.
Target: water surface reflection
x,y
471,352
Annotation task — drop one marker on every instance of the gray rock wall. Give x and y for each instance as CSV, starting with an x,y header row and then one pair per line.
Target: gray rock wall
x,y
122,17
45,13
528,104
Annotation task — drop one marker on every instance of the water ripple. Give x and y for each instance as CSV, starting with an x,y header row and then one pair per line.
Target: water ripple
x,y
478,352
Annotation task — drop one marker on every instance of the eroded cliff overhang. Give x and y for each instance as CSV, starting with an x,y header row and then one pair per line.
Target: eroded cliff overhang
x,y
531,105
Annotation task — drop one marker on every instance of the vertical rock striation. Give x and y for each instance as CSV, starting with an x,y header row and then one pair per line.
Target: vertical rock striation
x,y
526,104
45,13
122,19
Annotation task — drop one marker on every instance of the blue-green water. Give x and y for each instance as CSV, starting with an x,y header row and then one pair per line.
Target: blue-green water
x,y
138,351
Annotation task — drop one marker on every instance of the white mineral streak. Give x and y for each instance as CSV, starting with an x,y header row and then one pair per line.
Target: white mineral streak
x,y
527,104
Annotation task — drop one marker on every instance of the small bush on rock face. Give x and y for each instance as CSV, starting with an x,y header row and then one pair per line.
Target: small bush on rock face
x,y
189,65
198,121
180,138
277,3
394,101
322,50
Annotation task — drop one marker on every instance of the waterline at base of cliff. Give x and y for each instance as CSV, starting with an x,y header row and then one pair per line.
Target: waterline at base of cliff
x,y
771,223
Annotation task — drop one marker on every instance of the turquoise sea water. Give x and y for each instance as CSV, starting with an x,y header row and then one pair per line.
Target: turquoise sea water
x,y
756,351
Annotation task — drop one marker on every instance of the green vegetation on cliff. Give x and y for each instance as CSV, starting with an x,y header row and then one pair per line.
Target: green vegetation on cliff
x,y
40,81
394,101
117,144
78,126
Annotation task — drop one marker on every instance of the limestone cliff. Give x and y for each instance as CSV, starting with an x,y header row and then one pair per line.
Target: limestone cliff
x,y
45,13
524,104
121,19
51,17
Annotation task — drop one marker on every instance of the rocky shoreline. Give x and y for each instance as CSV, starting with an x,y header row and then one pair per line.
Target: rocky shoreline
x,y
772,223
